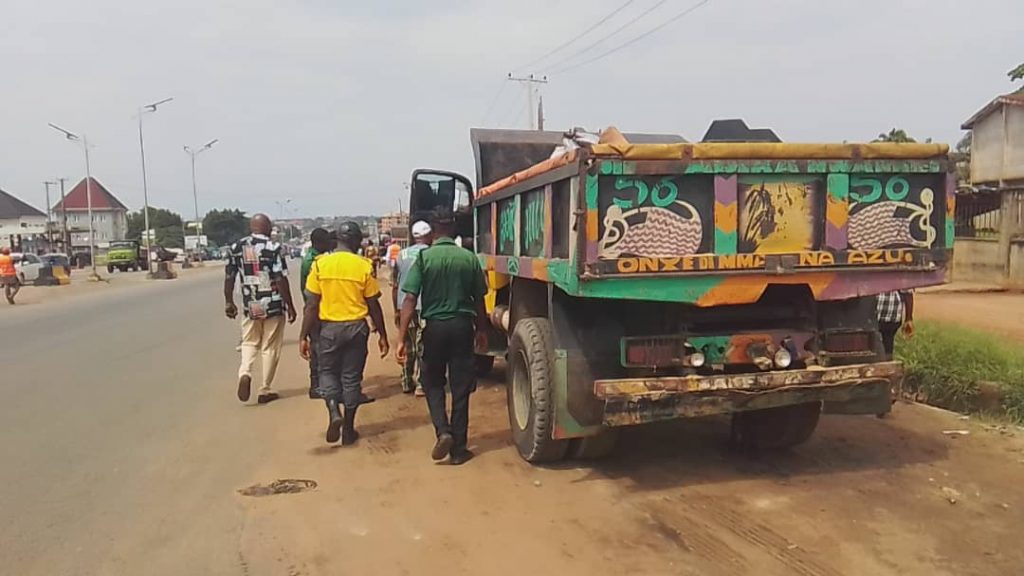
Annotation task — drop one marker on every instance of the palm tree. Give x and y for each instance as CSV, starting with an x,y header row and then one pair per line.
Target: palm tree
x,y
894,135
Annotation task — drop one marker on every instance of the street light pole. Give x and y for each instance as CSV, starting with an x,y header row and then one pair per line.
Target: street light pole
x,y
195,194
65,238
84,140
49,219
145,189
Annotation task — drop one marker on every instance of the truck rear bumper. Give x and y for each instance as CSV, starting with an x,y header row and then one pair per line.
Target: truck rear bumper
x,y
856,389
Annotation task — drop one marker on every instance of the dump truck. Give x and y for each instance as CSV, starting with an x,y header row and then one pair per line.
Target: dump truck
x,y
126,255
643,278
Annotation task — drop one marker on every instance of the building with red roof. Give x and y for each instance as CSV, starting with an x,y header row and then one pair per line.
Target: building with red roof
x,y
110,215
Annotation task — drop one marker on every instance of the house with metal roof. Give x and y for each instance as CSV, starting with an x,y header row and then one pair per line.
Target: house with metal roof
x,y
997,142
19,221
109,215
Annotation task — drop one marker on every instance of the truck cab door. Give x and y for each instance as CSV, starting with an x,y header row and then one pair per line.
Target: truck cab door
x,y
433,189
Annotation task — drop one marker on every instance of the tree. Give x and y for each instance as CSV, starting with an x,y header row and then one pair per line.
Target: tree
x,y
1017,73
166,227
222,227
894,135
961,157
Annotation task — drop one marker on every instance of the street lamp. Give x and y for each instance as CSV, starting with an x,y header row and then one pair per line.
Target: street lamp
x,y
145,191
195,195
84,140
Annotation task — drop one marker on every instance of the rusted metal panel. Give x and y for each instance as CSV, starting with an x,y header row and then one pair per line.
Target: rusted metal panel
x,y
862,396
629,388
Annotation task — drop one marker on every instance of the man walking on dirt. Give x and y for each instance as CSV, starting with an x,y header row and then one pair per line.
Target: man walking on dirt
x,y
450,282
266,299
8,275
342,294
895,310
406,258
321,242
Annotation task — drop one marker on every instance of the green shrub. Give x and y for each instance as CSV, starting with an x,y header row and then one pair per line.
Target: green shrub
x,y
945,363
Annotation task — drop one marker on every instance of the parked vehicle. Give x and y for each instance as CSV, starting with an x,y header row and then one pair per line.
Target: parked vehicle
x,y
634,282
57,260
27,267
125,255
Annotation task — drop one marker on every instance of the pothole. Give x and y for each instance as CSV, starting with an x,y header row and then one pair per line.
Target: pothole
x,y
280,486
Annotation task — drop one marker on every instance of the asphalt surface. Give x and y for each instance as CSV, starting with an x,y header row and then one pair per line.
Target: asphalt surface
x,y
108,429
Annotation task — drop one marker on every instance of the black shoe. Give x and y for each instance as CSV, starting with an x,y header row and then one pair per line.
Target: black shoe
x,y
348,431
334,425
267,398
442,447
314,394
244,382
364,399
460,457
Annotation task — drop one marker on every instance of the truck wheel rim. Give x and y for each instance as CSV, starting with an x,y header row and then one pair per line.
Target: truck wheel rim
x,y
521,391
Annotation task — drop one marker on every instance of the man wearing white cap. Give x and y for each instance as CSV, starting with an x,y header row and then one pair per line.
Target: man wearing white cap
x,y
421,235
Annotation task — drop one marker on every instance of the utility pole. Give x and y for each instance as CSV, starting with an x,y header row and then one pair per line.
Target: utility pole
x,y
49,219
530,82
540,114
64,218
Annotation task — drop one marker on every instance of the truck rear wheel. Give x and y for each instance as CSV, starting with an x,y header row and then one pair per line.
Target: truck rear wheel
x,y
531,410
594,447
775,428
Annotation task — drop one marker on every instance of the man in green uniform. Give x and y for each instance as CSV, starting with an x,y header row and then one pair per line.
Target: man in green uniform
x,y
449,281
321,242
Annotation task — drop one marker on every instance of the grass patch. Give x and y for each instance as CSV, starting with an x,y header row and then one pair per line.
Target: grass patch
x,y
963,369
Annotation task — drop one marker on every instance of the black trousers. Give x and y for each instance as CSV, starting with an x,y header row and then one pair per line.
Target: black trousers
x,y
448,347
889,330
341,360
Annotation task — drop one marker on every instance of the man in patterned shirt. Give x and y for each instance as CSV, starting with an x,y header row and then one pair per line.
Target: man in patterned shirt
x,y
895,310
266,300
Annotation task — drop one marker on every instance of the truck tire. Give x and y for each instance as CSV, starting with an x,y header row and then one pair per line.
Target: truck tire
x,y
775,428
594,447
110,268
484,363
531,410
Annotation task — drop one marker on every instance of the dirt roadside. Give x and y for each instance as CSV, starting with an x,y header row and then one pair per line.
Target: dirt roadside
x,y
997,312
864,496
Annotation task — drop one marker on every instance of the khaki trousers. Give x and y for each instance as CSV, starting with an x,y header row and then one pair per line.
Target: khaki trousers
x,y
264,338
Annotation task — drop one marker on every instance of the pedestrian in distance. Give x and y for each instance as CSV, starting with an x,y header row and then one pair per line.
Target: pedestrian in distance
x,y
449,281
9,275
343,293
321,242
895,312
411,381
266,301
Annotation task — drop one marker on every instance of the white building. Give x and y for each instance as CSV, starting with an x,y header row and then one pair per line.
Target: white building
x,y
19,222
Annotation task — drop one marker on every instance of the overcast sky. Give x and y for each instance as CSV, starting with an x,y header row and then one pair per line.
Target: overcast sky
x,y
332,103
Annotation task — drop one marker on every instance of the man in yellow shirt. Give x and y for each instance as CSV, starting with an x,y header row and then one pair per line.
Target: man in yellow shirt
x,y
342,293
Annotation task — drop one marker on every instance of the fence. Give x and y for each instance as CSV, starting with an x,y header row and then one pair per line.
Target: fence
x,y
978,214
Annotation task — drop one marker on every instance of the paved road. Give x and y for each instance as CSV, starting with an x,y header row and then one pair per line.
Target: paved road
x,y
123,449
111,433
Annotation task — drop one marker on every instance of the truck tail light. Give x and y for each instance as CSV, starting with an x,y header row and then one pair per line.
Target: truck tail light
x,y
847,342
657,352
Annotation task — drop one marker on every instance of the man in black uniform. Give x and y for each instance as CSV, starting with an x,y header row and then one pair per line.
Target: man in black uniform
x,y
449,281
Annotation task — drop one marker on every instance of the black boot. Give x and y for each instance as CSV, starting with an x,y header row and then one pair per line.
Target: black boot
x,y
348,433
334,425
